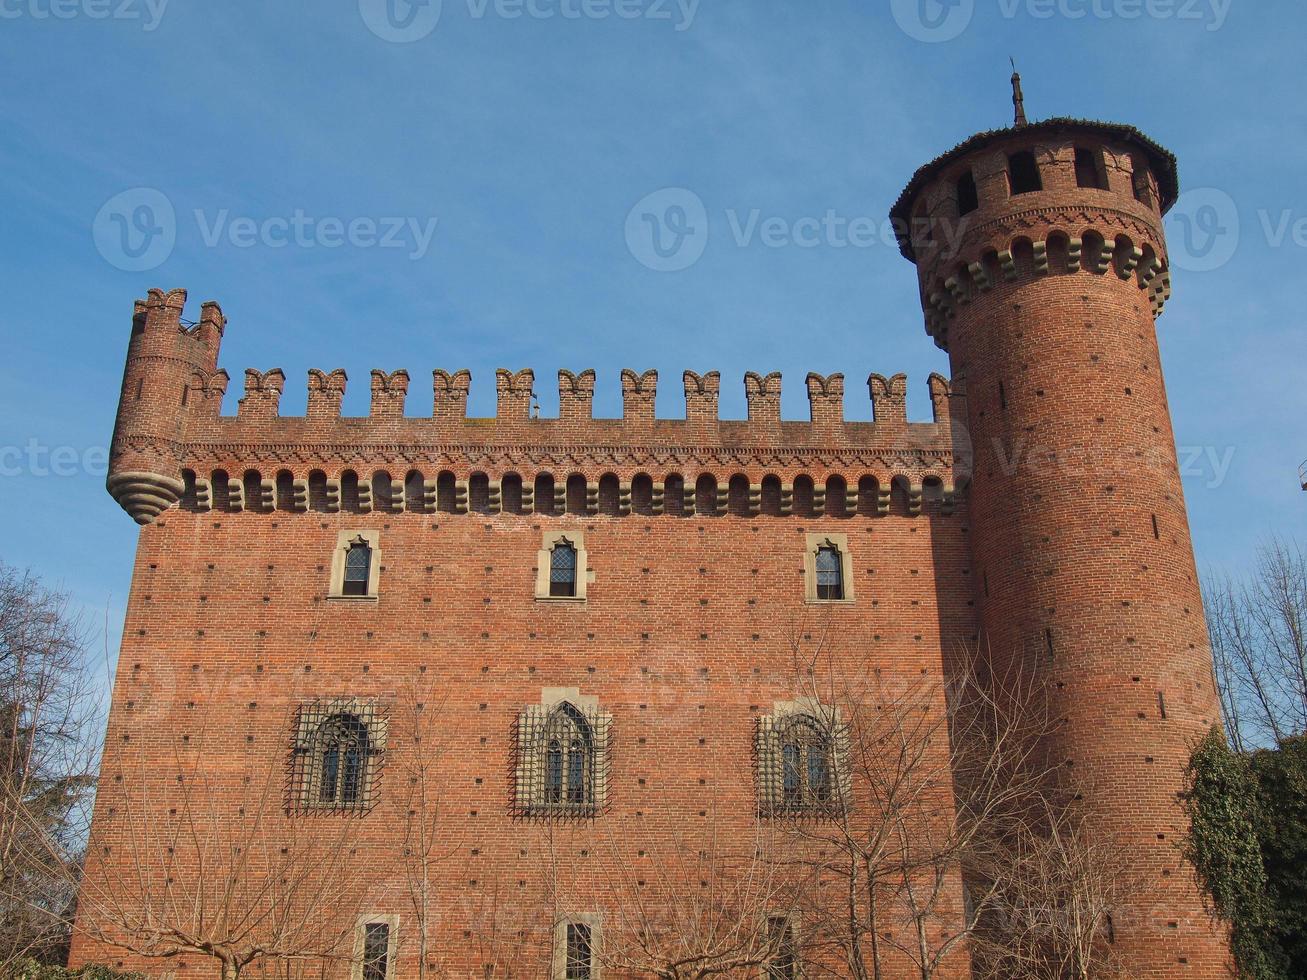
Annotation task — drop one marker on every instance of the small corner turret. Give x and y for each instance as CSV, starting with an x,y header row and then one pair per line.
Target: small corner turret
x,y
171,372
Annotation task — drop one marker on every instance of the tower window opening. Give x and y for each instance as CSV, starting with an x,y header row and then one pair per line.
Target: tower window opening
x,y
1089,169
1139,182
1023,173
968,199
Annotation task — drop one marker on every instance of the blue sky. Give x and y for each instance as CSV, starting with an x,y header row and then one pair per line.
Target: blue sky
x,y
529,131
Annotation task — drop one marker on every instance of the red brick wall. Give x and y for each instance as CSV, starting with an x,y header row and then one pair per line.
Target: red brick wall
x,y
686,636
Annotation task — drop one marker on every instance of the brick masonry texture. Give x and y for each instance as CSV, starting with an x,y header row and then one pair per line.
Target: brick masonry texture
x,y
1040,511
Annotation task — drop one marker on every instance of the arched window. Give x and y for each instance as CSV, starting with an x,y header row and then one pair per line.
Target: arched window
x,y
562,570
342,761
830,573
806,764
1089,169
1023,173
568,761
338,754
358,568
560,757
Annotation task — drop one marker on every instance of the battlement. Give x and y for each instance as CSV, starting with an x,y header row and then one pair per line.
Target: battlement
x,y
207,451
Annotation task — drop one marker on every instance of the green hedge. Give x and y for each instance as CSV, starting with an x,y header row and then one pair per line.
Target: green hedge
x,y
1248,842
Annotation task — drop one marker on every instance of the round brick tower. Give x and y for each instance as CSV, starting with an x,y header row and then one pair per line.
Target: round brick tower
x,y
1042,266
171,373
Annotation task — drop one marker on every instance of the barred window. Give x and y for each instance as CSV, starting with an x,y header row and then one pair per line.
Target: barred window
x,y
580,956
342,760
806,763
562,570
569,758
561,761
830,573
800,768
337,758
784,962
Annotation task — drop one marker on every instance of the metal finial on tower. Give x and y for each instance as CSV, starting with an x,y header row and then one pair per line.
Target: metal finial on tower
x,y
1018,100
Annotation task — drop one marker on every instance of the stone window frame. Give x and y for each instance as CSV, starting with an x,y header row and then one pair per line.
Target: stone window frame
x,y
360,934
305,771
558,961
550,540
344,540
770,765
529,751
814,541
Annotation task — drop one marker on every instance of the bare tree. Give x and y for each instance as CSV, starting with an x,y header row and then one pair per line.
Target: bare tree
x,y
426,844
1049,916
211,865
940,772
1259,646
49,715
701,903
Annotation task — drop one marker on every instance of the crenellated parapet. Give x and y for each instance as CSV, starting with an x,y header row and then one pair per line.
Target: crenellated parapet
x,y
326,391
763,396
259,460
388,394
701,397
638,392
450,391
576,394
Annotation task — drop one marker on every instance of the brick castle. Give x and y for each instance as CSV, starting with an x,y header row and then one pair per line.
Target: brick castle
x,y
600,617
